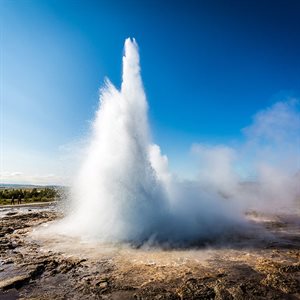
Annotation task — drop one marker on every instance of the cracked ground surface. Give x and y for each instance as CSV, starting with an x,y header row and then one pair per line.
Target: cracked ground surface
x,y
254,266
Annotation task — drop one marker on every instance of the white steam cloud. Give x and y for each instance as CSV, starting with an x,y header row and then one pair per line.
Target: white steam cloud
x,y
124,191
263,173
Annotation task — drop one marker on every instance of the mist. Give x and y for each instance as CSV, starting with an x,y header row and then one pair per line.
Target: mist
x,y
125,192
262,173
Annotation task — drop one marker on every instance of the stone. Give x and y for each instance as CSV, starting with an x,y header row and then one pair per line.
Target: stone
x,y
14,282
103,285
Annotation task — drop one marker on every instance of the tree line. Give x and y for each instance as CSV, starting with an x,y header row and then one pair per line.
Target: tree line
x,y
34,194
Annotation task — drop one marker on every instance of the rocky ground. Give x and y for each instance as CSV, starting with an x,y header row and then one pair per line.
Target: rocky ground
x,y
257,266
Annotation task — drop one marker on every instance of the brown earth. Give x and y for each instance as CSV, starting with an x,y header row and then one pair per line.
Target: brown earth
x,y
264,264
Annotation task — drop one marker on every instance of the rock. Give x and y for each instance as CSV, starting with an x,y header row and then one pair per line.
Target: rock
x,y
7,245
103,285
195,289
290,268
237,293
285,283
66,266
6,230
221,293
11,213
37,271
7,261
9,295
20,280
14,282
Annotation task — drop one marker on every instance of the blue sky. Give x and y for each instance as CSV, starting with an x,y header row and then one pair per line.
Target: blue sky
x,y
207,66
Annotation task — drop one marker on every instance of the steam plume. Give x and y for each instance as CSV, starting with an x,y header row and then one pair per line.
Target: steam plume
x,y
124,191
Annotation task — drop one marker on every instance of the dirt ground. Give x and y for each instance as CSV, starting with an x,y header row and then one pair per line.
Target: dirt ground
x,y
263,264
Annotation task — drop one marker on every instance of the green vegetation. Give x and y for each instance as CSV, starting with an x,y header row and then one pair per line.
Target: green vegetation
x,y
29,195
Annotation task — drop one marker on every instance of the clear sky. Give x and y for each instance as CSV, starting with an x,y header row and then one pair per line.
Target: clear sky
x,y
207,66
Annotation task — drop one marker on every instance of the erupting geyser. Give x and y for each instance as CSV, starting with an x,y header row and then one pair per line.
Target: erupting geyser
x,y
117,192
124,191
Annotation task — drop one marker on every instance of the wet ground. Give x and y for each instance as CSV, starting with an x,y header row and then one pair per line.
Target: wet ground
x,y
7,210
262,264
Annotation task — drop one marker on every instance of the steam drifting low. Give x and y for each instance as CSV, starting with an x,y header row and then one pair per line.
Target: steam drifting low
x,y
124,191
